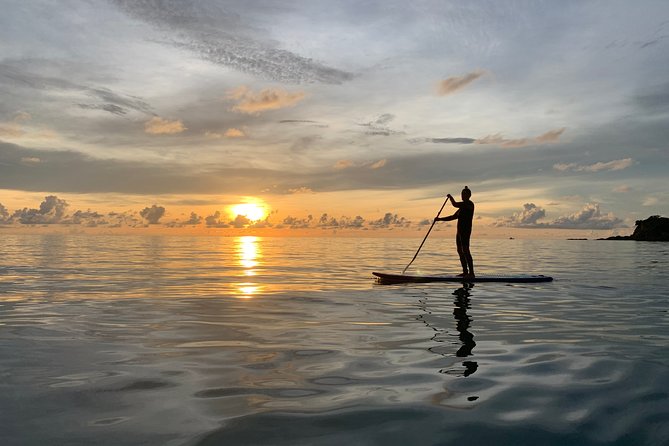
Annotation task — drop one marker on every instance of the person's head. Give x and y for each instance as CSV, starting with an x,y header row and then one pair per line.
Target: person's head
x,y
466,193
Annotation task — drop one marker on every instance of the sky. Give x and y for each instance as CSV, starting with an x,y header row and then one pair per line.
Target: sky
x,y
333,115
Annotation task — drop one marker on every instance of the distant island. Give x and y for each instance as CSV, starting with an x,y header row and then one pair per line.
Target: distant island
x,y
652,229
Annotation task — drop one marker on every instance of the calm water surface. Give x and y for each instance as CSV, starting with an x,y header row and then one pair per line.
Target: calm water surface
x,y
288,341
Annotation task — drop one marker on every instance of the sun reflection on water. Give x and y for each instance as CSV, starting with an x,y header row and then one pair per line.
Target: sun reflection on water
x,y
248,255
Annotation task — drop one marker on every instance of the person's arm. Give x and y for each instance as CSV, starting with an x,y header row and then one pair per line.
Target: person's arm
x,y
456,204
449,218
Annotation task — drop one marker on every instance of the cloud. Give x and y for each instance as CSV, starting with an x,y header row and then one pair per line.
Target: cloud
x,y
51,211
589,217
30,160
527,217
656,100
215,221
160,126
304,121
379,126
550,137
597,167
300,190
650,201
389,220
229,133
296,223
622,189
234,133
253,103
88,218
14,128
343,164
219,34
4,215
455,83
240,221
153,214
20,74
344,222
379,164
447,140
194,219
111,108
11,130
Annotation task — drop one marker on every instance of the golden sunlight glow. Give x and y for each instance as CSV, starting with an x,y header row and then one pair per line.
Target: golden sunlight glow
x,y
252,211
248,254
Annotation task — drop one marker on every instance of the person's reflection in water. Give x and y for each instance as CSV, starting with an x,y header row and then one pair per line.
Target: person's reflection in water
x,y
462,303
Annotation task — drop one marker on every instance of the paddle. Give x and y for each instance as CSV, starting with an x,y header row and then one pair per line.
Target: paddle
x,y
428,233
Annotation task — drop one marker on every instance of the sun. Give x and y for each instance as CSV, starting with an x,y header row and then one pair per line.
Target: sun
x,y
252,211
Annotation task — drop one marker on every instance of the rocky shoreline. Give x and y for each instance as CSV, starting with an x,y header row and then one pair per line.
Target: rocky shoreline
x,y
652,229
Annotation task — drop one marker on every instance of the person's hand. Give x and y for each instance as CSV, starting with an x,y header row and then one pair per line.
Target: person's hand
x,y
449,196
436,219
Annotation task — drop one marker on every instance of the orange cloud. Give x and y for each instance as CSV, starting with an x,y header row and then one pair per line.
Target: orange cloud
x,y
379,164
549,137
301,190
229,133
13,128
455,83
160,126
10,130
253,103
234,133
597,167
343,164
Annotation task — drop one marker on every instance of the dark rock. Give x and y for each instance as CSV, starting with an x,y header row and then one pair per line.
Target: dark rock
x,y
652,229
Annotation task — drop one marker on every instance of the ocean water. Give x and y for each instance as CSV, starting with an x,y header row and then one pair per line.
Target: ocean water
x,y
115,340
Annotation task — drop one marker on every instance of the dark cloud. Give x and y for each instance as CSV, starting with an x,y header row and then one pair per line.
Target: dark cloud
x,y
390,220
152,214
4,214
450,140
379,126
303,121
240,221
87,218
121,219
303,143
655,100
343,222
296,223
222,37
111,108
215,221
401,170
26,74
193,220
51,211
54,173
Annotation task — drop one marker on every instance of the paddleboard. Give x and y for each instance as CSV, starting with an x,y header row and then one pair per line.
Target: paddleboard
x,y
386,278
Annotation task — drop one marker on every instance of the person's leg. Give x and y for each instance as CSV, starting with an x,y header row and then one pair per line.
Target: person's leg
x,y
466,253
461,253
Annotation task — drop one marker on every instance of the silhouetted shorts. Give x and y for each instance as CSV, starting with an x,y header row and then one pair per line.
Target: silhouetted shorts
x,y
462,240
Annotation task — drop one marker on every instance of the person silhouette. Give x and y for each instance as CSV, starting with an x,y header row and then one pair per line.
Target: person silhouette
x,y
464,215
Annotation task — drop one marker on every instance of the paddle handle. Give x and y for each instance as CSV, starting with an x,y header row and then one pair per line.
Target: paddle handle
x,y
425,238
